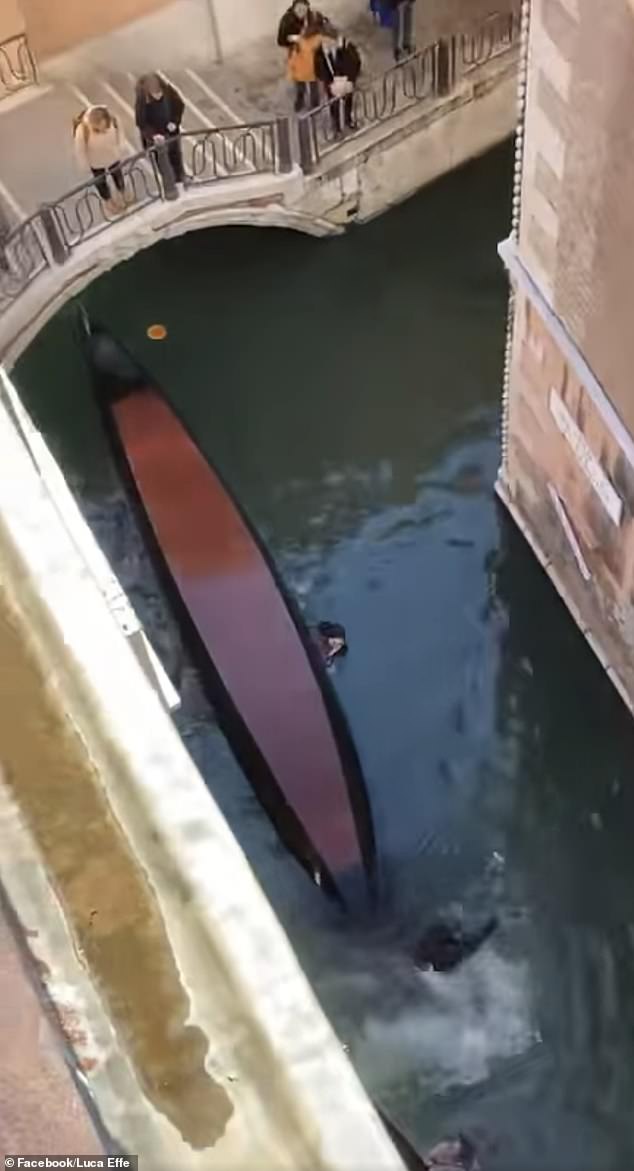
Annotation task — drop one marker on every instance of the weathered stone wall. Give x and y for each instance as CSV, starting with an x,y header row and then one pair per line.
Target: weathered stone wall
x,y
569,473
568,455
577,234
400,156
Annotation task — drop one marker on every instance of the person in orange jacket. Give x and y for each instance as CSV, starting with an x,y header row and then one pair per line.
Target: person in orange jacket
x,y
301,65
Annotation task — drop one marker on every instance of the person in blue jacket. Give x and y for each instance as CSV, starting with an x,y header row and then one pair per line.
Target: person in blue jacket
x,y
382,12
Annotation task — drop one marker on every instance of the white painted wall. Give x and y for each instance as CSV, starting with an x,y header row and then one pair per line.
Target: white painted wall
x,y
180,34
185,32
241,22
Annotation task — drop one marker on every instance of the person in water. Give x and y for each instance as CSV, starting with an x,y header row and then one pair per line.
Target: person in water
x,y
331,639
453,1155
444,946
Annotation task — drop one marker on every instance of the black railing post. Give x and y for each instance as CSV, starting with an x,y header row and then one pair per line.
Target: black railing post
x,y
58,247
304,132
445,66
284,155
166,171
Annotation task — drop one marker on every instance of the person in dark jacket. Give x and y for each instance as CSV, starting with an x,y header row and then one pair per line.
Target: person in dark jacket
x,y
295,20
331,640
402,27
338,65
159,113
457,1154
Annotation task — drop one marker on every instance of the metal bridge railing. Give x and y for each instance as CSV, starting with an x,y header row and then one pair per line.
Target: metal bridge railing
x,y
496,35
237,150
81,213
404,85
434,71
17,67
49,237
23,256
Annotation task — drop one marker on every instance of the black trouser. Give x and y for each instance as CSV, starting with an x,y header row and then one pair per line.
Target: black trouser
x,y
336,111
402,29
306,89
175,156
101,176
174,148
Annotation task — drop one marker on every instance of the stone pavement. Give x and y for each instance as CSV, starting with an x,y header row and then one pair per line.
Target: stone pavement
x,y
36,147
41,1109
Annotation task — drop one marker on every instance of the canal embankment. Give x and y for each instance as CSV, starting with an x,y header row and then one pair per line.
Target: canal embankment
x,y
179,993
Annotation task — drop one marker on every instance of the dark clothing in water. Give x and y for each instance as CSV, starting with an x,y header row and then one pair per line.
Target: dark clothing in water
x,y
444,945
331,640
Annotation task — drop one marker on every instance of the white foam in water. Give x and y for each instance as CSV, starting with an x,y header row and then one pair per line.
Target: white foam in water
x,y
466,1022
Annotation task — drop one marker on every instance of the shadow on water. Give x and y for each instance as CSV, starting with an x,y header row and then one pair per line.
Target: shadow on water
x,y
349,392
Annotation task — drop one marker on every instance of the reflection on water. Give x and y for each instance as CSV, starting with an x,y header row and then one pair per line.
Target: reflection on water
x,y
349,391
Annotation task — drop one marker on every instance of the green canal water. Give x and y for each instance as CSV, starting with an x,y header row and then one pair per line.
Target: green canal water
x,y
349,391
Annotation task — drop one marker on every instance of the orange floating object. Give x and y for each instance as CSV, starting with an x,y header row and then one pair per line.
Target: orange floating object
x,y
157,333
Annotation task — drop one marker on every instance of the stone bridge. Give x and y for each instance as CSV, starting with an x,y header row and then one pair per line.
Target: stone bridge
x,y
415,121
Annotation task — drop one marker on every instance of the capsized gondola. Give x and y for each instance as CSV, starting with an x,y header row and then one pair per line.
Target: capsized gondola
x,y
259,666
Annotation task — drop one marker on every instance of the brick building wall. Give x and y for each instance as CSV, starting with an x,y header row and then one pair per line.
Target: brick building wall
x,y
568,472
577,207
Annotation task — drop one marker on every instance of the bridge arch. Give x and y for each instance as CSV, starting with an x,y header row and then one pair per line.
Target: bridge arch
x,y
59,283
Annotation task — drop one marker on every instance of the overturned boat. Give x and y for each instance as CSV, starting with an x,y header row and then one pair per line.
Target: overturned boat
x,y
261,670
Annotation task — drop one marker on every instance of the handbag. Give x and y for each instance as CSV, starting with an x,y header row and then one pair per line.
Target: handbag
x,y
340,87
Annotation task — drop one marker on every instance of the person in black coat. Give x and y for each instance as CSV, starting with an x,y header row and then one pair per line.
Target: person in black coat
x,y
295,20
159,113
338,65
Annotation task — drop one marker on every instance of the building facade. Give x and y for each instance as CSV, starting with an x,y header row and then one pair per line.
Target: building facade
x,y
166,29
567,472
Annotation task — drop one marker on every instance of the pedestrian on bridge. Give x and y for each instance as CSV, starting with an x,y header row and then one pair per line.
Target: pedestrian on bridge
x,y
402,28
299,24
302,70
159,113
338,65
98,147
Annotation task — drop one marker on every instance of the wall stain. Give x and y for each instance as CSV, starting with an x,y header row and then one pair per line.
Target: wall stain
x,y
106,897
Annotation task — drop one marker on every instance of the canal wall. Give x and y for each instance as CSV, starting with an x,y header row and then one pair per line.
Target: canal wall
x,y
193,1027
567,472
393,162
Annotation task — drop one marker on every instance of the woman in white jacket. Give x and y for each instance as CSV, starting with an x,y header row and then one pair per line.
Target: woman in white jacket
x,y
98,146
